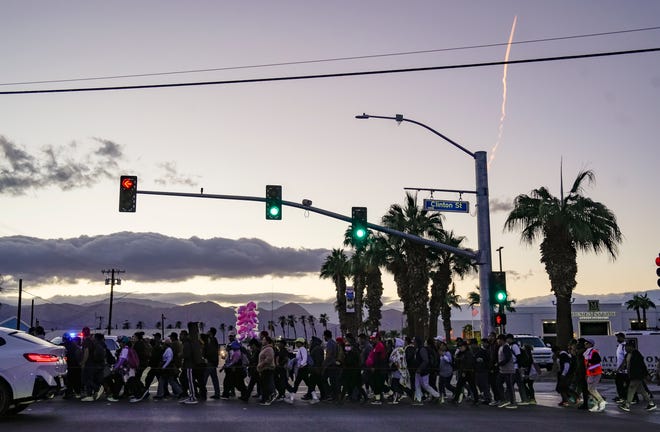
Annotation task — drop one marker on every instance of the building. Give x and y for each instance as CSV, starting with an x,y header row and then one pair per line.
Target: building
x,y
589,319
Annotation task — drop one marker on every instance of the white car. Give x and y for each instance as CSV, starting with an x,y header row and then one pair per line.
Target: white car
x,y
29,367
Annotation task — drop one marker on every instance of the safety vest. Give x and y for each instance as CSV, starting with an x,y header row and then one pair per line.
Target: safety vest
x,y
593,369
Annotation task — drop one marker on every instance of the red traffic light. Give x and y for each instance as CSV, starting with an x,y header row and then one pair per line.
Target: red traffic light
x,y
500,319
657,260
127,183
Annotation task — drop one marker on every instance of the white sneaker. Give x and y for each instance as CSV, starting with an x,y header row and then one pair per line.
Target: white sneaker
x,y
601,406
87,399
289,399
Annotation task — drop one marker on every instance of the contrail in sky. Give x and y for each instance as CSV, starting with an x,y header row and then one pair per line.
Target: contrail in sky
x,y
503,116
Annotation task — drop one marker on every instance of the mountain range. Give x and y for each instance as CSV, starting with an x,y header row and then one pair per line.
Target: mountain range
x,y
75,312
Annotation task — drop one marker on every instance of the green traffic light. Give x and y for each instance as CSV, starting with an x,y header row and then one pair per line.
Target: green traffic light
x,y
274,211
500,296
360,233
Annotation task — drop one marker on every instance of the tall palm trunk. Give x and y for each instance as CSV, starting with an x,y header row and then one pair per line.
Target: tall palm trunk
x,y
560,259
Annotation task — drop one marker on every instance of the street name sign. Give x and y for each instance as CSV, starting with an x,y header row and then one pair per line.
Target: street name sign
x,y
447,206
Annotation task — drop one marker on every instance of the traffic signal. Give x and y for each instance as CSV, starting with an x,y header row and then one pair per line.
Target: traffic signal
x,y
359,227
498,295
657,270
499,319
274,202
127,193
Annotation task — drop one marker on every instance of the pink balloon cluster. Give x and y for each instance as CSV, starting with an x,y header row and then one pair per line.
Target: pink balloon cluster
x,y
247,321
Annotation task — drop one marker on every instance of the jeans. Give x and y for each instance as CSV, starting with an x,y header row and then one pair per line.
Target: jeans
x,y
508,379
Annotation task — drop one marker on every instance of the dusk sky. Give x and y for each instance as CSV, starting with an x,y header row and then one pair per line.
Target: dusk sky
x,y
62,154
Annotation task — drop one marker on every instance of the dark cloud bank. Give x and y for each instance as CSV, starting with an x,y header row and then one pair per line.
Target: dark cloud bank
x,y
150,257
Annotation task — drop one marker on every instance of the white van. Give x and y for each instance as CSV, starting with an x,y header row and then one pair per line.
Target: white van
x,y
542,354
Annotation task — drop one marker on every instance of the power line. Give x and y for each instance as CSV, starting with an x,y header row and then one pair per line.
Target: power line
x,y
335,59
334,75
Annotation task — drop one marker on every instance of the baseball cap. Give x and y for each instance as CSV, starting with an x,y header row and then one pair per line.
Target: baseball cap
x,y
620,334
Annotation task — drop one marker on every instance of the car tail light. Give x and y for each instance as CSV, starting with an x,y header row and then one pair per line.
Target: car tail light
x,y
41,358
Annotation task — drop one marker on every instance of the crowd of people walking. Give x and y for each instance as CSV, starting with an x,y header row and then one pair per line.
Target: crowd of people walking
x,y
369,369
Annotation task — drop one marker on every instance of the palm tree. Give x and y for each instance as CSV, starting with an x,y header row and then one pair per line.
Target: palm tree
x,y
337,268
177,325
312,322
566,224
303,320
645,304
372,257
223,329
409,262
640,303
158,325
323,320
474,299
139,325
271,328
126,325
449,300
281,320
446,265
291,320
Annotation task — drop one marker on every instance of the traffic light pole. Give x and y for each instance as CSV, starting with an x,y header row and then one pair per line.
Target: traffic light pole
x,y
436,245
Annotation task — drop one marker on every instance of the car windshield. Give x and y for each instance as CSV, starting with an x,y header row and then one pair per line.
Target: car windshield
x,y
533,341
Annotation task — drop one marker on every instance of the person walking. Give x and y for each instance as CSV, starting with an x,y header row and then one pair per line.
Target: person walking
x,y
506,373
212,361
235,372
266,369
168,372
465,364
422,373
593,371
399,376
301,368
621,377
637,372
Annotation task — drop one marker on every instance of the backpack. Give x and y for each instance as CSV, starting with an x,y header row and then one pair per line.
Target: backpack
x,y
132,360
245,360
98,353
434,359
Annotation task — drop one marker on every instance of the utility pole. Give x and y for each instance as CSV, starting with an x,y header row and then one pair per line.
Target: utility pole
x,y
162,324
32,314
20,299
111,281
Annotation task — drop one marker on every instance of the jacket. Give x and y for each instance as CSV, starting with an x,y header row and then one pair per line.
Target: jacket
x,y
505,360
636,367
266,358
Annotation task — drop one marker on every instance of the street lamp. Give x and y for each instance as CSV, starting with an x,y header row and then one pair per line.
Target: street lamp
x,y
499,252
483,213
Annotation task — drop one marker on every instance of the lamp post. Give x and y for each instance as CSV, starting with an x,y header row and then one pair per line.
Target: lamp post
x,y
499,252
484,259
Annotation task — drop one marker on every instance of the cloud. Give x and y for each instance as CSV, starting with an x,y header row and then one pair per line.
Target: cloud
x,y
150,257
172,176
519,276
500,205
70,166
65,167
